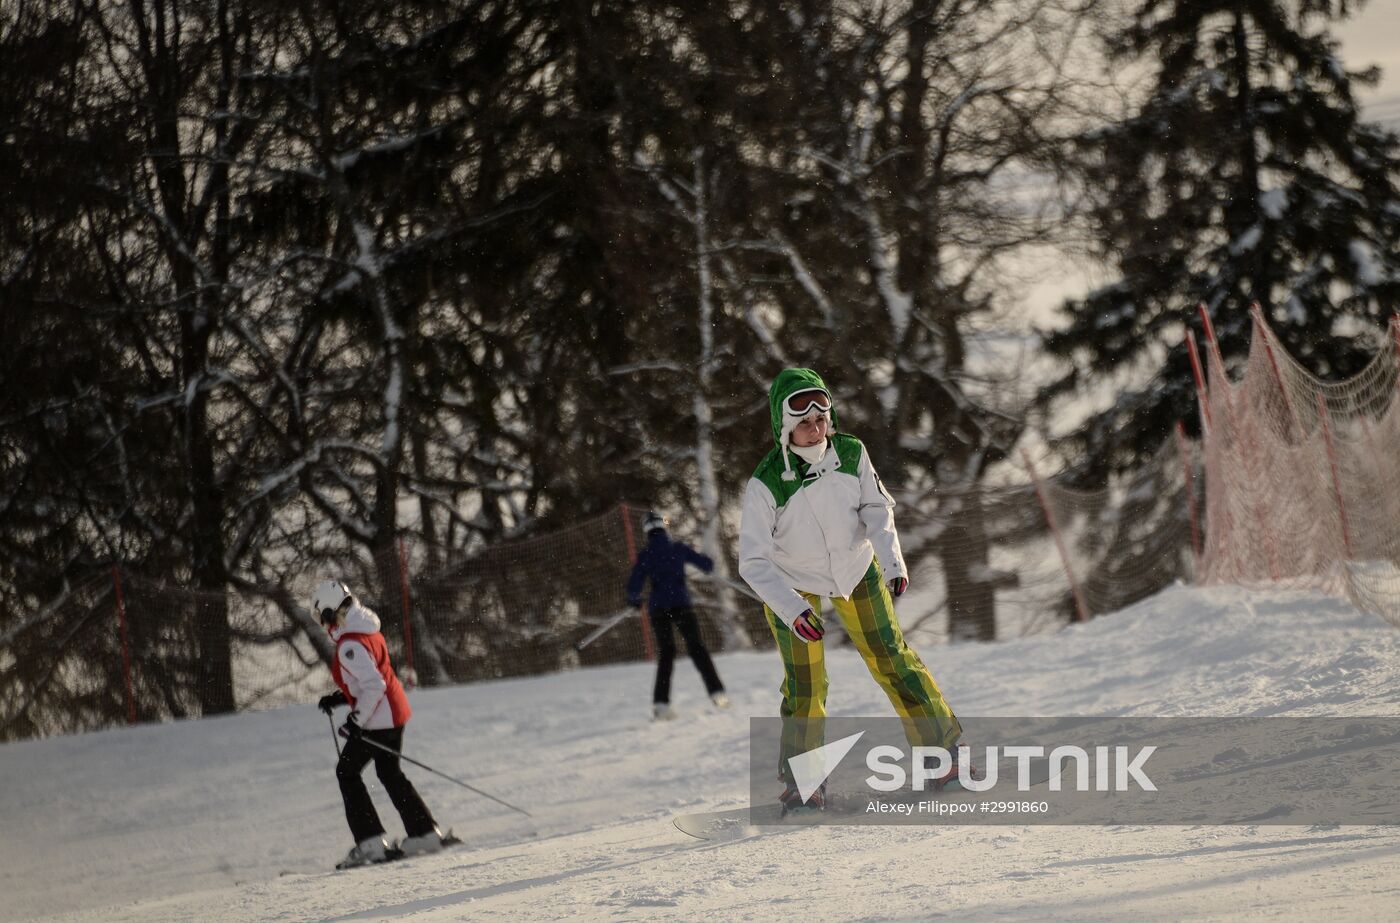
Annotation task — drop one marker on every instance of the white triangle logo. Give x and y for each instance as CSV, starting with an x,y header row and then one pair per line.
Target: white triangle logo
x,y
810,769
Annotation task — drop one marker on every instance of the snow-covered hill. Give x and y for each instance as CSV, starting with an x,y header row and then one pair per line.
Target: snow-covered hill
x,y
239,818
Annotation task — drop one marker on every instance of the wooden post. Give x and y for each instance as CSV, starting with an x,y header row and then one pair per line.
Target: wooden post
x,y
647,643
1187,479
1336,475
1081,610
126,645
411,675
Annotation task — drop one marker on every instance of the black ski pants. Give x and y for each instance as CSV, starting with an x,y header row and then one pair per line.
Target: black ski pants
x,y
681,618
359,809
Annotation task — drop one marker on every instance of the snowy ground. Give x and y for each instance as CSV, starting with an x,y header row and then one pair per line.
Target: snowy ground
x,y
238,818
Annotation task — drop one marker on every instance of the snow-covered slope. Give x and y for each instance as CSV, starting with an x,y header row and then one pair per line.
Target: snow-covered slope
x,y
239,818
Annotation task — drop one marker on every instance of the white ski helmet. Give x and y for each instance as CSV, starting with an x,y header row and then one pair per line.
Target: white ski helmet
x,y
653,521
327,599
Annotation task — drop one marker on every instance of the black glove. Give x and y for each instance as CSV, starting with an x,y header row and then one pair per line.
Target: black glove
x,y
351,729
635,603
329,702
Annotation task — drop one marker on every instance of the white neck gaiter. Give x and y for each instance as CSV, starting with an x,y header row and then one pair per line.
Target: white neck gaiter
x,y
811,454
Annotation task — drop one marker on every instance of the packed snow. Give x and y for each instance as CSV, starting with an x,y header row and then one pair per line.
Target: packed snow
x,y
239,818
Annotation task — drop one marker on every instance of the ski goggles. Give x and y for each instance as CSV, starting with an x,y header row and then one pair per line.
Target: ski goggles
x,y
804,402
329,615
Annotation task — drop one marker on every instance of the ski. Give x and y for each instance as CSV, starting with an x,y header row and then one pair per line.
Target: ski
x,y
395,854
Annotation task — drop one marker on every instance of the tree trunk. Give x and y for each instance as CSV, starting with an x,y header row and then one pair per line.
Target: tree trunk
x,y
214,670
734,634
964,551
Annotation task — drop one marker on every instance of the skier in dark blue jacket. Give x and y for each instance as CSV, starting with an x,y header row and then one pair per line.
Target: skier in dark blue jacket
x,y
663,563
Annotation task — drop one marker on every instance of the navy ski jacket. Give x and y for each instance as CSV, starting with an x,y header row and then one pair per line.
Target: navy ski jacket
x,y
663,562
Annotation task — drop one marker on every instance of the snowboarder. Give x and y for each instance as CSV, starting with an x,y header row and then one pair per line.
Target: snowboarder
x,y
663,562
817,523
379,712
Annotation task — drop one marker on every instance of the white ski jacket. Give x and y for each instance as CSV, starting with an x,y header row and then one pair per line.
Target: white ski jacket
x,y
818,532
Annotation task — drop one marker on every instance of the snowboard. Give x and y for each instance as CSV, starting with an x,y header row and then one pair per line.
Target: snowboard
x,y
743,823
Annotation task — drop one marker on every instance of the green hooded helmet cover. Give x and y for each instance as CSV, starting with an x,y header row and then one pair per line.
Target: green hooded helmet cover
x,y
770,471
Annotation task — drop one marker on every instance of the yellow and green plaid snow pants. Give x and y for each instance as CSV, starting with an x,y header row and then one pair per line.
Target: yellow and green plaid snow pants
x,y
869,619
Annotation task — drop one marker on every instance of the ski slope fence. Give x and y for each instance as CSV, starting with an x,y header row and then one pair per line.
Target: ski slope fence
x,y
1290,485
1300,473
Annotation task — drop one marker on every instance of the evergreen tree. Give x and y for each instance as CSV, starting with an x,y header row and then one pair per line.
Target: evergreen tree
x,y
1246,175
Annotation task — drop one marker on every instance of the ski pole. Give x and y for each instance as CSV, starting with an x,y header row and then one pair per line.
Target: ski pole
x,y
375,743
603,629
334,738
732,584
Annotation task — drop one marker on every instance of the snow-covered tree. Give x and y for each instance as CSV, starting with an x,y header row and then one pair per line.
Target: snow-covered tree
x,y
1246,174
406,158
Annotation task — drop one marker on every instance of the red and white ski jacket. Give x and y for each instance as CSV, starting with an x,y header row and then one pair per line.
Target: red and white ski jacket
x,y
363,672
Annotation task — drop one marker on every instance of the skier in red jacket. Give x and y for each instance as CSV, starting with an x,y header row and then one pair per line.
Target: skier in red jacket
x,y
379,712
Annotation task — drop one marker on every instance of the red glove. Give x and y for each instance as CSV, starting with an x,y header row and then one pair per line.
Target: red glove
x,y
898,585
806,627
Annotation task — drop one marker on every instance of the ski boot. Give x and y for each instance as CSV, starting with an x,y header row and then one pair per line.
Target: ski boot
x,y
369,851
662,711
949,781
791,800
720,699
432,841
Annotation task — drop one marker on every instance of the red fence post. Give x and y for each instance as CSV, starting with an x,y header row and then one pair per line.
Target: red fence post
x,y
1082,611
412,675
1211,342
1189,482
1202,394
1336,475
647,643
126,645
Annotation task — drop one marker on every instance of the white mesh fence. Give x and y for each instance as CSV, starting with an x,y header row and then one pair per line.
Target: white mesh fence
x,y
1298,474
